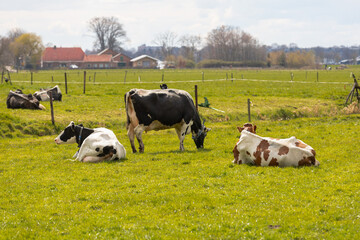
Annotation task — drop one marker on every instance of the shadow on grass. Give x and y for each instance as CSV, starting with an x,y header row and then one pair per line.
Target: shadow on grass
x,y
178,151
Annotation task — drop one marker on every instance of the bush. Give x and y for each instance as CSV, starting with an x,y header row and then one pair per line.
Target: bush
x,y
213,63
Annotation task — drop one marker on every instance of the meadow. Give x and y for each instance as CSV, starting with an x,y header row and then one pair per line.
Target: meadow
x,y
196,194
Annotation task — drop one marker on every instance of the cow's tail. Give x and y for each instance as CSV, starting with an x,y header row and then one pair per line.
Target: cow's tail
x,y
126,99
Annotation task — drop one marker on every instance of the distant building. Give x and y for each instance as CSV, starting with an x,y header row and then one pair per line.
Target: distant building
x,y
98,61
54,57
144,61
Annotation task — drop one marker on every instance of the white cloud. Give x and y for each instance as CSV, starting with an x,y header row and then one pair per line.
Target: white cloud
x,y
306,23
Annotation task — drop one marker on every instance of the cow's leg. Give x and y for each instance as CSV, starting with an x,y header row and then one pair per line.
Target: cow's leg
x,y
138,133
96,159
131,135
181,138
181,132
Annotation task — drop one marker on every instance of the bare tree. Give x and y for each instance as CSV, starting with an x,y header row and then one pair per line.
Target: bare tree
x,y
189,46
6,56
166,41
228,43
109,33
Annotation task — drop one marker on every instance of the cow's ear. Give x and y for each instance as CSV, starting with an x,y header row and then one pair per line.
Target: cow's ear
x,y
240,129
81,125
72,124
254,128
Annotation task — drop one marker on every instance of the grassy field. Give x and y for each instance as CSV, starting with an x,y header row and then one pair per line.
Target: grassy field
x,y
196,194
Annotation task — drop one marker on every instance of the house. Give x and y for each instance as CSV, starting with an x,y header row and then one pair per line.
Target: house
x,y
54,57
120,60
144,61
98,61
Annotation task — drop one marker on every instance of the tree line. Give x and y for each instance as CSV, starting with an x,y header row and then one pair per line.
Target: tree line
x,y
224,46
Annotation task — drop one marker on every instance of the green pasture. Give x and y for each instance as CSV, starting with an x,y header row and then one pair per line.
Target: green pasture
x,y
196,194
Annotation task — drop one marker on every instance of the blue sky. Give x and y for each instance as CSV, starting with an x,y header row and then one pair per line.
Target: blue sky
x,y
308,23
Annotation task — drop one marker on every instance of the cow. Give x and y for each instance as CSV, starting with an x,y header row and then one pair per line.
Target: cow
x,y
263,151
44,95
18,99
163,109
95,145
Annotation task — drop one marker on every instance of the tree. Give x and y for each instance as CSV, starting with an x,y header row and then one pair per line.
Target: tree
x,y
166,41
228,43
189,46
109,33
27,49
6,55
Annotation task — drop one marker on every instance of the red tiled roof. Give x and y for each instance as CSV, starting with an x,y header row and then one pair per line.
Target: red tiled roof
x,y
63,54
98,58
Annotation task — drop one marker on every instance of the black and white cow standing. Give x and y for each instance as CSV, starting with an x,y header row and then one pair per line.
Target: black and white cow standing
x,y
96,145
162,109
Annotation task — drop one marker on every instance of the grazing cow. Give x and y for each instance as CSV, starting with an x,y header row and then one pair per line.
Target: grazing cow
x,y
19,100
262,151
162,109
95,145
44,95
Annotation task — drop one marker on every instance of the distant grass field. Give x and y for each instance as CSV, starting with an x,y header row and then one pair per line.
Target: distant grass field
x,y
197,194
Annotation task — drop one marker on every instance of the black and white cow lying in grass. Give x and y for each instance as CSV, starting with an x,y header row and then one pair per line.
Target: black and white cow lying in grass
x,y
18,99
44,94
96,145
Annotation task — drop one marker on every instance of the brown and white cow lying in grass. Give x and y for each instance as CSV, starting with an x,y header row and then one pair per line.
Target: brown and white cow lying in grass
x,y
263,151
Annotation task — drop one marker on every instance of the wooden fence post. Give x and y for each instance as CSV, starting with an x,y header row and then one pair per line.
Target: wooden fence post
x,y
9,77
317,76
65,83
125,76
52,108
52,78
162,77
248,103
31,78
196,97
84,81
2,76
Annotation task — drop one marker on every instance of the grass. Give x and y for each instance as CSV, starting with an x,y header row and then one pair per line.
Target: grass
x,y
196,194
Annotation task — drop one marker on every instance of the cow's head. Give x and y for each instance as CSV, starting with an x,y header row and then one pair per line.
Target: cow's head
x,y
248,127
200,136
68,135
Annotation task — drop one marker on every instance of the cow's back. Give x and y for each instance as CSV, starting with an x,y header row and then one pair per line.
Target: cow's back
x,y
168,106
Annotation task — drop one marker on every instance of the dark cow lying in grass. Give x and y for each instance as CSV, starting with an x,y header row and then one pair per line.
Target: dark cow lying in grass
x,y
44,94
19,100
96,145
262,151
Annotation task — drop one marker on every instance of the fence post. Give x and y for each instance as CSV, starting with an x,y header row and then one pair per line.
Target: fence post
x,y
52,78
196,97
94,76
162,77
9,77
248,103
226,76
31,78
317,76
125,76
52,108
232,77
2,76
84,81
65,83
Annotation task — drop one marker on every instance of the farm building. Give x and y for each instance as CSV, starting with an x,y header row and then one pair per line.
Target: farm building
x,y
144,61
54,57
98,61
